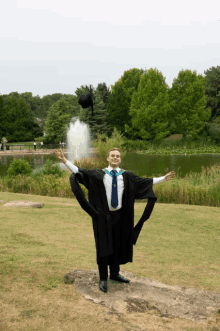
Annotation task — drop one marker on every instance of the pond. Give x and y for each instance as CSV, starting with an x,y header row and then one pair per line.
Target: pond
x,y
149,165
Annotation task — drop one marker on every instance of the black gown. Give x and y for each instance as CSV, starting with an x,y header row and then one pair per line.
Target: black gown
x,y
97,207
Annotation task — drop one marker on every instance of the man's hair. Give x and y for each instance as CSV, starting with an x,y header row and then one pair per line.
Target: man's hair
x,y
114,149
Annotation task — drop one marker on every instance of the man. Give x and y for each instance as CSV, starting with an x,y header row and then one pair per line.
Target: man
x,y
112,192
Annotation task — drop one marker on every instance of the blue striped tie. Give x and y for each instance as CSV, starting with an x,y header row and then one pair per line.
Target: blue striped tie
x,y
114,200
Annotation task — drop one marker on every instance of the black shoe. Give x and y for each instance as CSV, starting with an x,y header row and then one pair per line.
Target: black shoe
x,y
103,285
120,278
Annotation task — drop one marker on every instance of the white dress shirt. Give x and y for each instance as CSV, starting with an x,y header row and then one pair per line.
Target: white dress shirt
x,y
107,180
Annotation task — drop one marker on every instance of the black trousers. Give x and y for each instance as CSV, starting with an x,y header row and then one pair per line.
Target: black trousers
x,y
111,260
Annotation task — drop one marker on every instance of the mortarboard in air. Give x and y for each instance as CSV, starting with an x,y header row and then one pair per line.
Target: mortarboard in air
x,y
86,100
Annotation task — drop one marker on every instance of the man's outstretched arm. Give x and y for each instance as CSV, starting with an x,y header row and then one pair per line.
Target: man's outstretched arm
x,y
59,154
171,175
158,180
71,167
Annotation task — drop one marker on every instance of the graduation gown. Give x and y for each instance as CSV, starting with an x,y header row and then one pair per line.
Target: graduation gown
x,y
97,207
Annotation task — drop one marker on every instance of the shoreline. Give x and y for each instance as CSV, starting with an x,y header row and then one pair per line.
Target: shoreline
x,y
49,152
29,152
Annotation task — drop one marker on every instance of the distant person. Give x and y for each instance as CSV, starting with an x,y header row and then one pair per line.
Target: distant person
x,y
42,144
112,193
35,146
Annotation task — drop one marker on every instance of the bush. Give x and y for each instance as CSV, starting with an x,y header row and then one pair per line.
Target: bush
x,y
212,130
19,167
103,144
50,169
135,145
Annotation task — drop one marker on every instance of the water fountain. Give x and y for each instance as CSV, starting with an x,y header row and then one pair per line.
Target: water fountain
x,y
78,140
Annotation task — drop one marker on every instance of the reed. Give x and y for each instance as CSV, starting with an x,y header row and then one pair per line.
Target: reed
x,y
194,189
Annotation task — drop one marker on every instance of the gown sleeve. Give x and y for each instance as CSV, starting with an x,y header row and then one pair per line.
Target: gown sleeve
x,y
82,177
143,190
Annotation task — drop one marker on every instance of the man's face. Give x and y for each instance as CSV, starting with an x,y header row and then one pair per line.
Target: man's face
x,y
114,159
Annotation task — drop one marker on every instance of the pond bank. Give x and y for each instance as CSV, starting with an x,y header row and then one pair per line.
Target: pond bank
x,y
29,152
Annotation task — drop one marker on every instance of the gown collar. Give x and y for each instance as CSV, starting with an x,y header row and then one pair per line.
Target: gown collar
x,y
110,169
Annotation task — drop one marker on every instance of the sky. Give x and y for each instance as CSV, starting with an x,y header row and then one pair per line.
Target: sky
x,y
55,46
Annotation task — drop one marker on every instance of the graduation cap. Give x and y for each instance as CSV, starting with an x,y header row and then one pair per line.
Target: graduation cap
x,y
86,100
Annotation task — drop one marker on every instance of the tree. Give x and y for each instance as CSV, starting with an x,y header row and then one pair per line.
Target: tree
x,y
212,90
84,89
99,123
57,121
150,111
2,118
28,98
49,100
14,94
37,107
118,107
17,121
35,104
188,101
105,92
120,98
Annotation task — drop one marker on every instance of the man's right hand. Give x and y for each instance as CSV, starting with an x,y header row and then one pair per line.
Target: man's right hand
x,y
59,155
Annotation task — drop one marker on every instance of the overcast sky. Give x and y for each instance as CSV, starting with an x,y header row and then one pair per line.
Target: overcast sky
x,y
55,46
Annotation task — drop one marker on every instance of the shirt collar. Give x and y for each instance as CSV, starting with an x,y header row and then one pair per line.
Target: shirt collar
x,y
110,169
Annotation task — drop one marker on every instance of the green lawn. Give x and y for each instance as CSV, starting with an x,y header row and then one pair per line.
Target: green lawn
x,y
179,244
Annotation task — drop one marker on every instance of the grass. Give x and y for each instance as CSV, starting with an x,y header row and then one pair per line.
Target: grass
x,y
176,145
201,189
195,188
179,244
181,150
27,145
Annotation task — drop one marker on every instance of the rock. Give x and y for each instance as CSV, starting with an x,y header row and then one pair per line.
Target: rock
x,y
24,204
145,294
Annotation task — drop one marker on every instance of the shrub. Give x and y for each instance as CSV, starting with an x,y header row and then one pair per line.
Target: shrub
x,y
135,145
103,144
19,167
50,169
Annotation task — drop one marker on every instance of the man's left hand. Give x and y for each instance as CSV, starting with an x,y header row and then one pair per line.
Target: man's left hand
x,y
170,176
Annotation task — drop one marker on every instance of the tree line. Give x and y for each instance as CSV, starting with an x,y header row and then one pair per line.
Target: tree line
x,y
140,105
